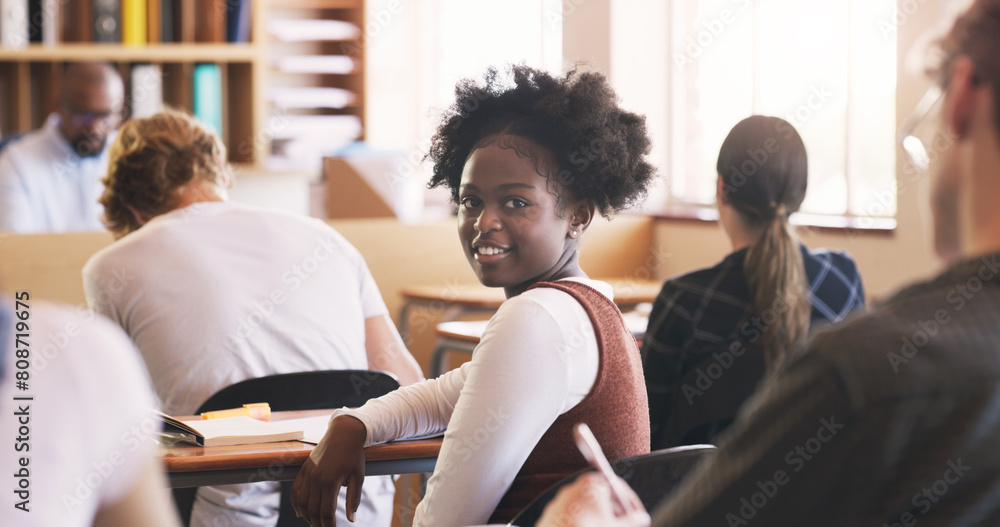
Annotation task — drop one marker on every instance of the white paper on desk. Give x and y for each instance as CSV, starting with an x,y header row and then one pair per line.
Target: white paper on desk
x,y
313,428
417,438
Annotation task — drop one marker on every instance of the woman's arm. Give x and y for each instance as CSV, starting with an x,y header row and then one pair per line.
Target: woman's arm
x,y
338,460
523,375
414,410
386,351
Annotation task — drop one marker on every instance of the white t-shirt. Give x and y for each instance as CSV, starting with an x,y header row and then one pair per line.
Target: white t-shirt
x,y
537,359
46,187
89,423
216,293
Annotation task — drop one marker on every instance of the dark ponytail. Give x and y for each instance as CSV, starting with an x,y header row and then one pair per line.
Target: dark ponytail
x,y
763,167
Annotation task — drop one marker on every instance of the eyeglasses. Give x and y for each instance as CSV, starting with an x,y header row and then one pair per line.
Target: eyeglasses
x,y
919,137
80,119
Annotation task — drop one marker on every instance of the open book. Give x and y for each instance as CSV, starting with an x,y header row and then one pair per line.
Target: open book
x,y
240,430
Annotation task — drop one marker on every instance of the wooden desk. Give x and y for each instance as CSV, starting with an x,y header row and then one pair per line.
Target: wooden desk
x,y
456,299
463,336
194,466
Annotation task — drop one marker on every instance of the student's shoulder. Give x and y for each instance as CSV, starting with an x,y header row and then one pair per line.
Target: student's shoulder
x,y
725,277
866,337
913,343
836,258
32,147
549,305
107,346
292,221
28,143
115,254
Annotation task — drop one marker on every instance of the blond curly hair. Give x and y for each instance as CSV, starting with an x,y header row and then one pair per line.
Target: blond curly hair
x,y
150,159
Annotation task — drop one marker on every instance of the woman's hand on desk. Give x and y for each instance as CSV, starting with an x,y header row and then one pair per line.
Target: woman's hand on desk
x,y
341,463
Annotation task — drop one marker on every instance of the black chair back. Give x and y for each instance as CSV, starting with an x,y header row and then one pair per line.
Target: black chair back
x,y
311,390
652,476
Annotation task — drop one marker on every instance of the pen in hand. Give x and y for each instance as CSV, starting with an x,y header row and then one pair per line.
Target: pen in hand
x,y
592,452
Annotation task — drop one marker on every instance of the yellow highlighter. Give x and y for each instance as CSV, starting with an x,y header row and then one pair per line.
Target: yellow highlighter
x,y
255,410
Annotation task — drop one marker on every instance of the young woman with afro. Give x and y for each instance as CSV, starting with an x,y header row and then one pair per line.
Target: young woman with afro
x,y
529,159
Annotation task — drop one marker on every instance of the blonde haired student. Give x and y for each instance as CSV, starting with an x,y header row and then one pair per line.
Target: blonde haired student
x,y
214,292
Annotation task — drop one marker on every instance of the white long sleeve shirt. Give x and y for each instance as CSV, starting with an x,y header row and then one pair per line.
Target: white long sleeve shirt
x,y
537,359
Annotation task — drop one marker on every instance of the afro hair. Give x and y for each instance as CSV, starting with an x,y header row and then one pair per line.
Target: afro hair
x,y
599,147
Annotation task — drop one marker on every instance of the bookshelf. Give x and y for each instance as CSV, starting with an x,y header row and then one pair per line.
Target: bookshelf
x,y
315,78
253,122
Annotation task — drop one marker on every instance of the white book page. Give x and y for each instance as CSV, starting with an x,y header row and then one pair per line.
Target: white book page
x,y
215,430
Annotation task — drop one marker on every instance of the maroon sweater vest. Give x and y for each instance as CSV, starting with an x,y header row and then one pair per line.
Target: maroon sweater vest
x,y
616,409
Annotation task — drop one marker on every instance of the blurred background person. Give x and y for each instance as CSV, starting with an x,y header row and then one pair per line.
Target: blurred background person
x,y
713,333
90,448
50,179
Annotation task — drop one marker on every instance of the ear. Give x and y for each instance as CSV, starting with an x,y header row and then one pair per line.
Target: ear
x,y
960,103
226,170
720,190
582,213
139,217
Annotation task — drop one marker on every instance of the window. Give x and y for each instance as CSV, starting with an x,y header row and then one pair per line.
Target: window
x,y
827,67
465,38
421,50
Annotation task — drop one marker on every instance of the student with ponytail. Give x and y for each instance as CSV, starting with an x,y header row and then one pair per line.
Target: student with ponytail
x,y
715,332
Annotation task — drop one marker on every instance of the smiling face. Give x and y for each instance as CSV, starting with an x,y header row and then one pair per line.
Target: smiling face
x,y
513,228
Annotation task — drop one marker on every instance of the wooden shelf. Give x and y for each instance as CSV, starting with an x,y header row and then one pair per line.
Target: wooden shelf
x,y
313,4
150,53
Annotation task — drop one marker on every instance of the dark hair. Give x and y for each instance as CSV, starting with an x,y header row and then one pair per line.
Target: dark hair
x,y
976,34
599,148
151,158
764,172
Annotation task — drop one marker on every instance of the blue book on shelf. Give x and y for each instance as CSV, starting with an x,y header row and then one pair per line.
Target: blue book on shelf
x,y
238,20
208,96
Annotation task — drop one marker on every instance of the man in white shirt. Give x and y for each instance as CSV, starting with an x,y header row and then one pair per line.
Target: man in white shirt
x,y
214,293
50,179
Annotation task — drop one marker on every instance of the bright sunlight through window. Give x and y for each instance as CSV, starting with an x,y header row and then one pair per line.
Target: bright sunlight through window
x,y
827,67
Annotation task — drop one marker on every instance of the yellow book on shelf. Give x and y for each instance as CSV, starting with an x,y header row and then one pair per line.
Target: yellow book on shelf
x,y
134,22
